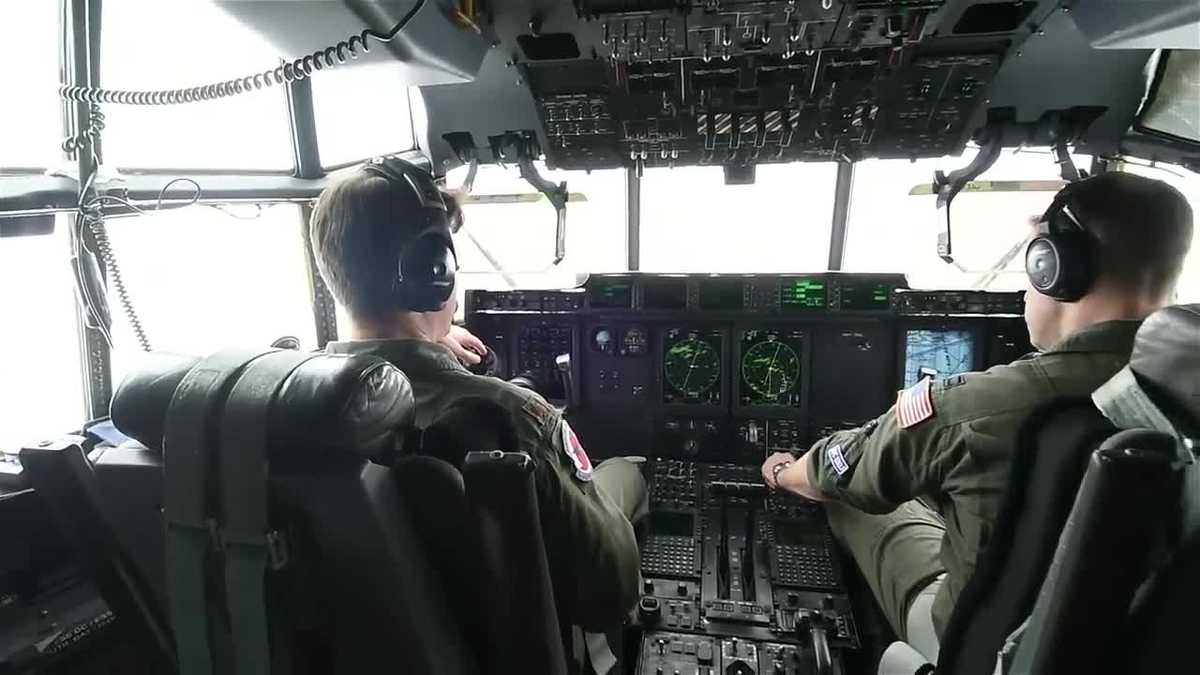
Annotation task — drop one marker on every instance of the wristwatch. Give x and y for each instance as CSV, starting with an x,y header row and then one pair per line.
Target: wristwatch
x,y
777,468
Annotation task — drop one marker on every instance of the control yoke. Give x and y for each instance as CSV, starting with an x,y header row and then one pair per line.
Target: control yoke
x,y
947,187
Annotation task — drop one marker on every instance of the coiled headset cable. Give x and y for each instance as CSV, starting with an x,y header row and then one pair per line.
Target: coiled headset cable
x,y
91,216
286,73
87,138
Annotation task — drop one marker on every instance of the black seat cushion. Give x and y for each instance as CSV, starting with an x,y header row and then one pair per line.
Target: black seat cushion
x,y
334,403
1166,361
139,406
330,403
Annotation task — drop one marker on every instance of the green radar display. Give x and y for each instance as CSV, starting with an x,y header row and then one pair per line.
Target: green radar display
x,y
771,368
692,367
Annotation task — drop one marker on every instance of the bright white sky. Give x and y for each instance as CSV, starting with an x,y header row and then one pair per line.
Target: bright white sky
x,y
203,279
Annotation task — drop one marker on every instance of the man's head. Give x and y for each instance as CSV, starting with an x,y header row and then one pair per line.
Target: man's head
x,y
381,236
1133,234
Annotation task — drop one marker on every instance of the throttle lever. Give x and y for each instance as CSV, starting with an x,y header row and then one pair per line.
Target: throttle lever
x,y
563,363
814,622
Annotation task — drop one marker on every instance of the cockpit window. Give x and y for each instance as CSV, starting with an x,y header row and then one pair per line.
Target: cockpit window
x,y
508,233
152,45
891,229
30,118
693,222
357,118
40,384
202,279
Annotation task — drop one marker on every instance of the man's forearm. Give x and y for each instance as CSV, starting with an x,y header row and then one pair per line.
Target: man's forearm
x,y
797,479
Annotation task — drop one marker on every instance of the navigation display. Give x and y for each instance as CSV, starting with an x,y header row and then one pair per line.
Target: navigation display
x,y
771,368
692,366
939,352
800,293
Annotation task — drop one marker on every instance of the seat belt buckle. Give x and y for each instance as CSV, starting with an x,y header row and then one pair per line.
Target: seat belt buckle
x,y
278,552
208,526
273,545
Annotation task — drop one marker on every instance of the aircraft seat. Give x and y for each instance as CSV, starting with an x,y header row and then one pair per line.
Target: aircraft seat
x,y
1048,466
358,592
1073,469
1122,591
478,513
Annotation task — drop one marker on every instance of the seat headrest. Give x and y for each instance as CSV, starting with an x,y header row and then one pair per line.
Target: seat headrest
x,y
340,402
329,402
139,406
1166,361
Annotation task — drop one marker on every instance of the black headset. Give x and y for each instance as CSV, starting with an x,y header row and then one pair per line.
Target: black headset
x,y
1059,259
426,263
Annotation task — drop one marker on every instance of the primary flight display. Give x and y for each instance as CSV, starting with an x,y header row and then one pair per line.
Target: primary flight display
x,y
937,352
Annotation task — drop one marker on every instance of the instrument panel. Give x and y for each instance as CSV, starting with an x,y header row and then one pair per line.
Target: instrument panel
x,y
730,367
706,375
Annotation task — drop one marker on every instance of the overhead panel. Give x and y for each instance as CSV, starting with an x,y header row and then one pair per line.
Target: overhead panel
x,y
663,83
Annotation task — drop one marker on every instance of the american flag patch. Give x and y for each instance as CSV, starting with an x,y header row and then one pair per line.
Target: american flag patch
x,y
915,404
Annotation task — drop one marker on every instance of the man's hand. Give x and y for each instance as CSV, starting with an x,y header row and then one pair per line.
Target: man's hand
x,y
464,345
769,472
794,478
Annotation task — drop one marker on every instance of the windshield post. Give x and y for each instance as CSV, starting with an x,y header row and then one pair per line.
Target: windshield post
x,y
842,190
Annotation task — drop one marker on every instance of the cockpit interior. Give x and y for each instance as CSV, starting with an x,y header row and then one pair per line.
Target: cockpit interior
x,y
701,232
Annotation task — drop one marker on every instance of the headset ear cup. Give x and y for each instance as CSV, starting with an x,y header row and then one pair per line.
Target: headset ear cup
x,y
425,279
1042,264
1057,265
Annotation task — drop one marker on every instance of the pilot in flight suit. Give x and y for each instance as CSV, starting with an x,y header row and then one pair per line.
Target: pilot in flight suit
x,y
381,237
949,443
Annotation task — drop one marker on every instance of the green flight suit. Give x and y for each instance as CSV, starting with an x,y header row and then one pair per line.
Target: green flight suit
x,y
956,462
586,524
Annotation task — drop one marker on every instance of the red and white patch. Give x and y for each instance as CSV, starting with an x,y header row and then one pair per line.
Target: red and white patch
x,y
575,451
915,404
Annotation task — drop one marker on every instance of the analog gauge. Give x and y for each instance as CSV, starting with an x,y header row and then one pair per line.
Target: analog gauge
x,y
602,340
692,366
635,341
771,369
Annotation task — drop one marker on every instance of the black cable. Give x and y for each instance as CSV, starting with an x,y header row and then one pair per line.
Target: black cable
x,y
285,73
89,135
93,217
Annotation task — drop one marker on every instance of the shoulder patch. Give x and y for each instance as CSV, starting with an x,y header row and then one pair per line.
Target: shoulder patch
x,y
837,460
575,452
915,404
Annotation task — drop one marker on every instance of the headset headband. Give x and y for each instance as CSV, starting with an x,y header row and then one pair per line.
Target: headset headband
x,y
425,266
401,172
1061,206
